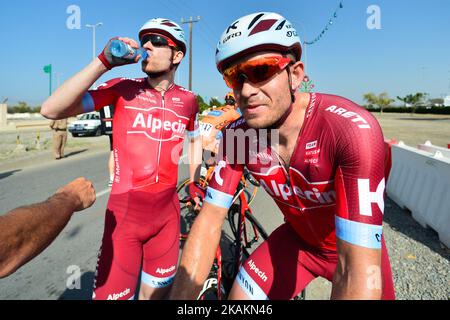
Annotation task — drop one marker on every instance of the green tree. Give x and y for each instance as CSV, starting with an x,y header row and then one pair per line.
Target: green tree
x,y
213,102
22,107
382,100
413,99
201,103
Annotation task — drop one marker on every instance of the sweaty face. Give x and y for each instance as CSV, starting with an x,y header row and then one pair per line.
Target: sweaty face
x,y
263,104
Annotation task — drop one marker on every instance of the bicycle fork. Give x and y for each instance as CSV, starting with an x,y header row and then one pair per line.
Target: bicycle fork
x,y
242,234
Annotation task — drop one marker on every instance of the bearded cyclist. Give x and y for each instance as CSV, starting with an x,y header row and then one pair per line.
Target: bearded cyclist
x,y
152,116
326,174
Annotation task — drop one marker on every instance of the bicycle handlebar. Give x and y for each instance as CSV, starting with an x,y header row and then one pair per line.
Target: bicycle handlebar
x,y
248,176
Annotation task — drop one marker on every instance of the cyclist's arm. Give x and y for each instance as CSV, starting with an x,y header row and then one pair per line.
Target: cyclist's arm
x,y
358,273
27,231
359,185
195,143
199,252
67,100
195,157
204,237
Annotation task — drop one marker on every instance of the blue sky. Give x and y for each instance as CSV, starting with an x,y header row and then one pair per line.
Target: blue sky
x,y
410,53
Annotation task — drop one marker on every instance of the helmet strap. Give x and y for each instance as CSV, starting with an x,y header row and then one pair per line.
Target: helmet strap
x,y
292,91
280,121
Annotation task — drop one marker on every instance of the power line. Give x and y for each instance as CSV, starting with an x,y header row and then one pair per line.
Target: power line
x,y
211,32
187,10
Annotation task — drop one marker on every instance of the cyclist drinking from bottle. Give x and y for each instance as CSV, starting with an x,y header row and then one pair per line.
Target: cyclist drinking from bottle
x,y
152,116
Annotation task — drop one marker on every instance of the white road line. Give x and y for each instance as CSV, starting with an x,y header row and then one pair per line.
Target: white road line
x,y
103,192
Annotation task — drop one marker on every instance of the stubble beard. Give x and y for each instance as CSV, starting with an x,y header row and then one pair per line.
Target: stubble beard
x,y
267,121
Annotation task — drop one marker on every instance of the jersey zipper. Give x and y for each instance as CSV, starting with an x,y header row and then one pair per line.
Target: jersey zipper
x,y
163,104
287,171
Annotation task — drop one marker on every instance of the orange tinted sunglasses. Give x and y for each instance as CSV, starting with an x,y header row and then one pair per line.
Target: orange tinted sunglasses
x,y
255,71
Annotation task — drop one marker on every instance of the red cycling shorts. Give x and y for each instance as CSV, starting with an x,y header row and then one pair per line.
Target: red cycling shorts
x,y
282,266
140,239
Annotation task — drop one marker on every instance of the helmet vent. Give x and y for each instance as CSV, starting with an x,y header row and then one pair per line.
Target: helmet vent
x,y
280,26
254,20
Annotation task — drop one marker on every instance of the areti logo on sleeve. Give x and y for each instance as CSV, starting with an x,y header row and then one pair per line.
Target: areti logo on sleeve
x,y
362,123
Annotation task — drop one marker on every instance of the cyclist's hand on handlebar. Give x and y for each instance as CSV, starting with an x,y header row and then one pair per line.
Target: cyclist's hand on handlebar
x,y
197,193
111,61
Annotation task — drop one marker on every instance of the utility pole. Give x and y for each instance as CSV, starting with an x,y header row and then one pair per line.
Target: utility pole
x,y
191,21
448,93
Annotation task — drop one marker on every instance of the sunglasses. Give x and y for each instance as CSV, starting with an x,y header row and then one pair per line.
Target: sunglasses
x,y
255,71
157,40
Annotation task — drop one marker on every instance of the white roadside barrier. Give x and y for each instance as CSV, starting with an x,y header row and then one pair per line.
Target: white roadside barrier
x,y
428,146
420,182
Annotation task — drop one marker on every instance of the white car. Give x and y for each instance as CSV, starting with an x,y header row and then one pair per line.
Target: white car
x,y
87,124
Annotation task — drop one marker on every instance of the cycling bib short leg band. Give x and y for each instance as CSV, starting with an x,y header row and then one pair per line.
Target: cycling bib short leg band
x,y
281,267
141,239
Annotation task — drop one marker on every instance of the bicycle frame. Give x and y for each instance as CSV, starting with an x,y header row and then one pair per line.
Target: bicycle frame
x,y
243,204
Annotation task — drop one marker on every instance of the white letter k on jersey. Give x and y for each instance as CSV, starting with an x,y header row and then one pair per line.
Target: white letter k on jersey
x,y
366,198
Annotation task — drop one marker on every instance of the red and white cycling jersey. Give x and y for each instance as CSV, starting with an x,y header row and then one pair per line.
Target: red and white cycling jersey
x,y
149,129
142,222
334,183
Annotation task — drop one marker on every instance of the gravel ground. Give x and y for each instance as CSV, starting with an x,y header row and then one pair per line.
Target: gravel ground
x,y
28,139
416,129
420,263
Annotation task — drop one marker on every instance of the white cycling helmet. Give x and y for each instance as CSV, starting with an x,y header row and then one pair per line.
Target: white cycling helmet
x,y
165,27
257,32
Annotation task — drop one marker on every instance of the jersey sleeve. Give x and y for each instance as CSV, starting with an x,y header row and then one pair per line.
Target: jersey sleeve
x,y
193,129
226,177
105,94
359,180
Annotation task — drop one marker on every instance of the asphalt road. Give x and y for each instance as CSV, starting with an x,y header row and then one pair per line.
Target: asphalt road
x,y
74,253
46,276
65,270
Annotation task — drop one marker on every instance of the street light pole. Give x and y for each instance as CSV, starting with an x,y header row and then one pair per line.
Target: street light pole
x,y
94,50
94,26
